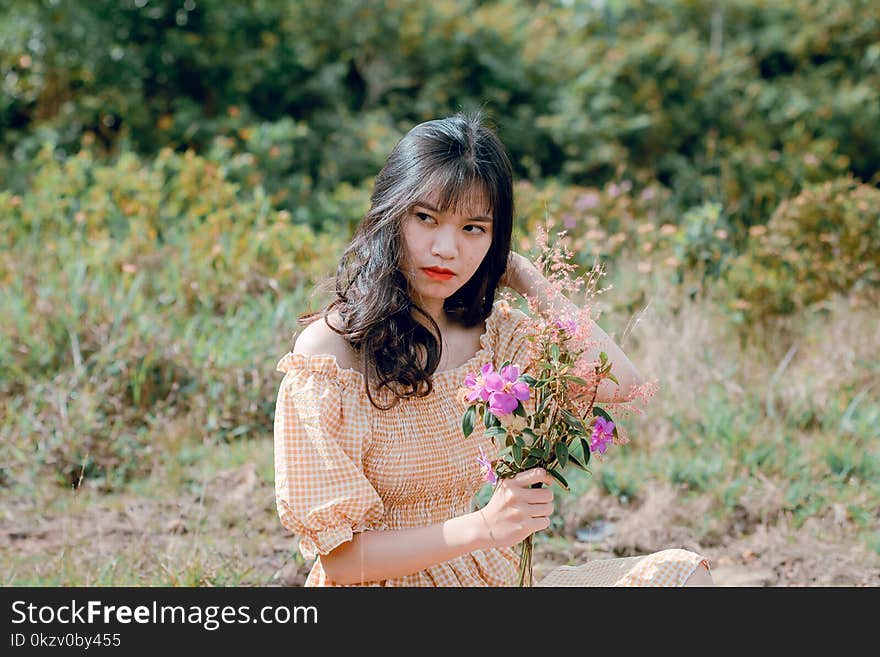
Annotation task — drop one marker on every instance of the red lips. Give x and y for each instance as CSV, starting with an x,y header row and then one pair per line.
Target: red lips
x,y
438,273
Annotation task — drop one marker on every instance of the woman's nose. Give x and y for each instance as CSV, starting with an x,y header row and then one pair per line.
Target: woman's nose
x,y
444,244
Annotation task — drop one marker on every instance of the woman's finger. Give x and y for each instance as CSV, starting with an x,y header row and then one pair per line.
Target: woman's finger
x,y
540,510
532,477
539,496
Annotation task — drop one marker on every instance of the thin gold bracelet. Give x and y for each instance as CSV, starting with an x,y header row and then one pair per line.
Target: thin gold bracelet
x,y
487,525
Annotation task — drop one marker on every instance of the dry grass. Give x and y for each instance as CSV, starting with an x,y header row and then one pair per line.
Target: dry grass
x,y
760,453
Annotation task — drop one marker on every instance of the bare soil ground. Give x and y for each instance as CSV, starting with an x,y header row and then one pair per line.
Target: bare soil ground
x,y
227,533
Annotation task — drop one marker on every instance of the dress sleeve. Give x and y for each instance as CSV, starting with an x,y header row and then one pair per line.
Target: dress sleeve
x,y
506,329
321,491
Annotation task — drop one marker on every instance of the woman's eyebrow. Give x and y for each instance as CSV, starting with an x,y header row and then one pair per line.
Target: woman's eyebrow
x,y
480,218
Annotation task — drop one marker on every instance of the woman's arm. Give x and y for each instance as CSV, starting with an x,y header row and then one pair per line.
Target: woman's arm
x,y
378,555
515,511
524,278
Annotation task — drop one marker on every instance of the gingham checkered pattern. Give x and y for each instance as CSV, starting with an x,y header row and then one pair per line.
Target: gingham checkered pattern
x,y
343,466
665,568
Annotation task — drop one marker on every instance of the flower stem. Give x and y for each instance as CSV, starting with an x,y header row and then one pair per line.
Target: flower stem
x,y
525,562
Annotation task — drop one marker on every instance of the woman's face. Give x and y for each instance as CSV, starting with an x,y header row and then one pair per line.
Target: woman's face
x,y
455,240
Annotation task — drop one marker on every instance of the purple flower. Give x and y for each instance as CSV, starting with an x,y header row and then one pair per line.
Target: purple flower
x,y
587,201
569,326
493,382
487,469
502,403
510,373
502,390
477,384
521,391
603,433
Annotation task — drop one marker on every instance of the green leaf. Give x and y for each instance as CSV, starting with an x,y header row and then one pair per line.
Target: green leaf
x,y
531,434
529,379
575,379
489,420
467,422
541,450
495,431
558,477
613,378
543,405
561,451
554,352
519,410
517,453
600,412
531,461
603,358
577,463
585,450
574,421
513,467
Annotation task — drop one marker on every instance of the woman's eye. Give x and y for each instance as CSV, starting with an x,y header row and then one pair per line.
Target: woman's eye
x,y
479,228
422,215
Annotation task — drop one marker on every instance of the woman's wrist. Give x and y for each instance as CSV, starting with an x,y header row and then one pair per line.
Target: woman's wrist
x,y
479,530
522,275
492,538
512,277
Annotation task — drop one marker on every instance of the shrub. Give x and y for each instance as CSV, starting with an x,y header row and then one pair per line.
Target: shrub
x,y
826,240
138,294
740,103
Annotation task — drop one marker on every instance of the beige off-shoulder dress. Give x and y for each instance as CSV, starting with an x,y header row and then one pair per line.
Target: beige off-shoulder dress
x,y
343,466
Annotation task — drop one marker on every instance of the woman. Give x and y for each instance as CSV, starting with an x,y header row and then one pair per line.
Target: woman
x,y
371,469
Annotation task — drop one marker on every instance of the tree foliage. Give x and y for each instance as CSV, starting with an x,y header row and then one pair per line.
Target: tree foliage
x,y
741,103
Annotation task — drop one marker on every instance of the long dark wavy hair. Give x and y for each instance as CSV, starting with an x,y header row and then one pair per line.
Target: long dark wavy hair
x,y
452,157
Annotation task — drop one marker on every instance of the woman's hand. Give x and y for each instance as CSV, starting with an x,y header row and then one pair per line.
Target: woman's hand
x,y
517,510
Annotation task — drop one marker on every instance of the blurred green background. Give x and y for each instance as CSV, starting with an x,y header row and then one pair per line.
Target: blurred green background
x,y
176,175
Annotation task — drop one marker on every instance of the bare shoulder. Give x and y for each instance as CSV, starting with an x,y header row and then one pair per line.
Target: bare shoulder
x,y
319,339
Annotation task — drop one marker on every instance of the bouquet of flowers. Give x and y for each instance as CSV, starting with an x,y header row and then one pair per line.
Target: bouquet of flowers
x,y
565,427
